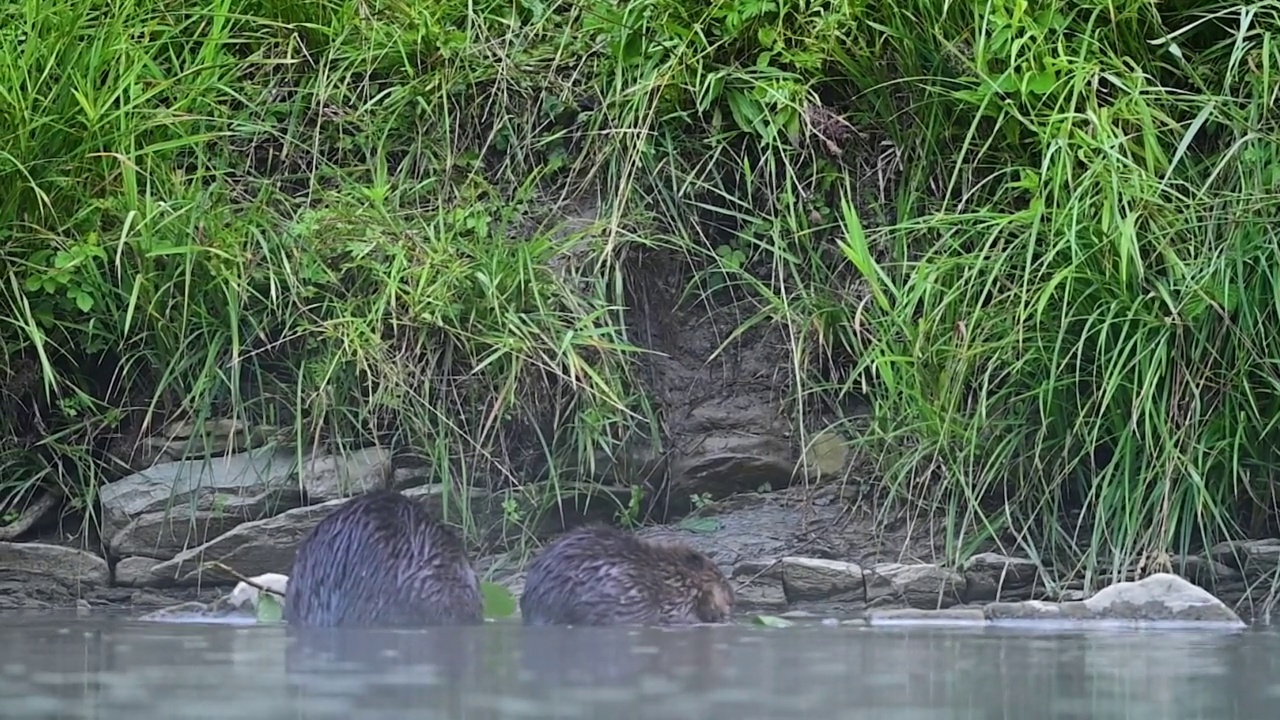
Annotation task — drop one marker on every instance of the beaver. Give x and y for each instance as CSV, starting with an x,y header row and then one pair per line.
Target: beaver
x,y
601,575
381,559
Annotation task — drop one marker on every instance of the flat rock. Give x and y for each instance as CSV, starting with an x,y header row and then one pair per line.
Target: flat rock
x,y
252,548
1036,610
996,577
330,477
261,546
816,579
826,455
919,585
731,462
135,571
1255,558
1206,573
917,616
260,481
757,528
760,596
164,534
69,565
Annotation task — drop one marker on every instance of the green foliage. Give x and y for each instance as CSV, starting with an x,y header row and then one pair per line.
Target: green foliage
x,y
1038,237
269,610
498,601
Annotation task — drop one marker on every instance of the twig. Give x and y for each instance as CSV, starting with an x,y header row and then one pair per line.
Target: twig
x,y
251,583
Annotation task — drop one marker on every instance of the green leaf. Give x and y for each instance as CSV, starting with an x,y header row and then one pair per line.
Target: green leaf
x,y
498,602
772,621
700,525
269,609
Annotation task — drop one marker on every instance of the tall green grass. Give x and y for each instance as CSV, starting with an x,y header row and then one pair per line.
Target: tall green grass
x,y
1039,238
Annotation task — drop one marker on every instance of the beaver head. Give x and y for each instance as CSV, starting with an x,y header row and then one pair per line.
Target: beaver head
x,y
697,583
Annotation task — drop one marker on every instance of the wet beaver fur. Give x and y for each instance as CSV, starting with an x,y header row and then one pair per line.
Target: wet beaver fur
x,y
600,575
382,560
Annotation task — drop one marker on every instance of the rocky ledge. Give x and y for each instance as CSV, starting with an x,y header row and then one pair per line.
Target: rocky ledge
x,y
168,528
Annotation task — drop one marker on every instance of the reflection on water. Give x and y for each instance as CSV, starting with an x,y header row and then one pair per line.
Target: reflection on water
x,y
102,668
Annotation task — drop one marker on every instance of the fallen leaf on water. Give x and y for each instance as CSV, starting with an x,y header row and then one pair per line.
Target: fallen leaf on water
x,y
772,621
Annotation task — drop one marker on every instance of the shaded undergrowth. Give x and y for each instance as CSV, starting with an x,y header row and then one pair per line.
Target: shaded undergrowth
x,y
1039,239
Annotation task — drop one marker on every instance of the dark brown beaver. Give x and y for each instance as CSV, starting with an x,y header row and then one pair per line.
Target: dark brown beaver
x,y
382,560
599,575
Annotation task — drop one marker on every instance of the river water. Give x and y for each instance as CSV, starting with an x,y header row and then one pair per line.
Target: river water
x,y
106,668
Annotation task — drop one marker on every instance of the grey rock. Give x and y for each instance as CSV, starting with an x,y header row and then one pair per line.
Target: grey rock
x,y
164,534
252,548
1255,558
760,596
183,439
41,560
135,571
330,477
1160,597
259,481
817,579
996,577
1036,610
1206,573
917,616
728,463
758,528
826,455
263,546
919,585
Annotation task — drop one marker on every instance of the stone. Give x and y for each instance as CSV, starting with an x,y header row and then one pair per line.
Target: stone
x,y
1036,610
919,585
256,482
164,534
330,477
252,548
1254,558
759,528
995,577
826,455
207,439
1160,597
760,597
69,565
917,616
265,546
816,579
1206,573
732,463
135,571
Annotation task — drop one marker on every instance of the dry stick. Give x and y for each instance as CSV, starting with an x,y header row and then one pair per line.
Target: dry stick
x,y
251,583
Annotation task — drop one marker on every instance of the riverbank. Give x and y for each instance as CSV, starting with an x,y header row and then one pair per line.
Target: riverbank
x,y
628,261
798,551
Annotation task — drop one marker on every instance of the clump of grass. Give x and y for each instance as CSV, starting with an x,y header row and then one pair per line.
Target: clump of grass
x,y
1039,239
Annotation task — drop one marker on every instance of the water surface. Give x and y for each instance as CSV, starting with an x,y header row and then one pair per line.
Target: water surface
x,y
105,668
